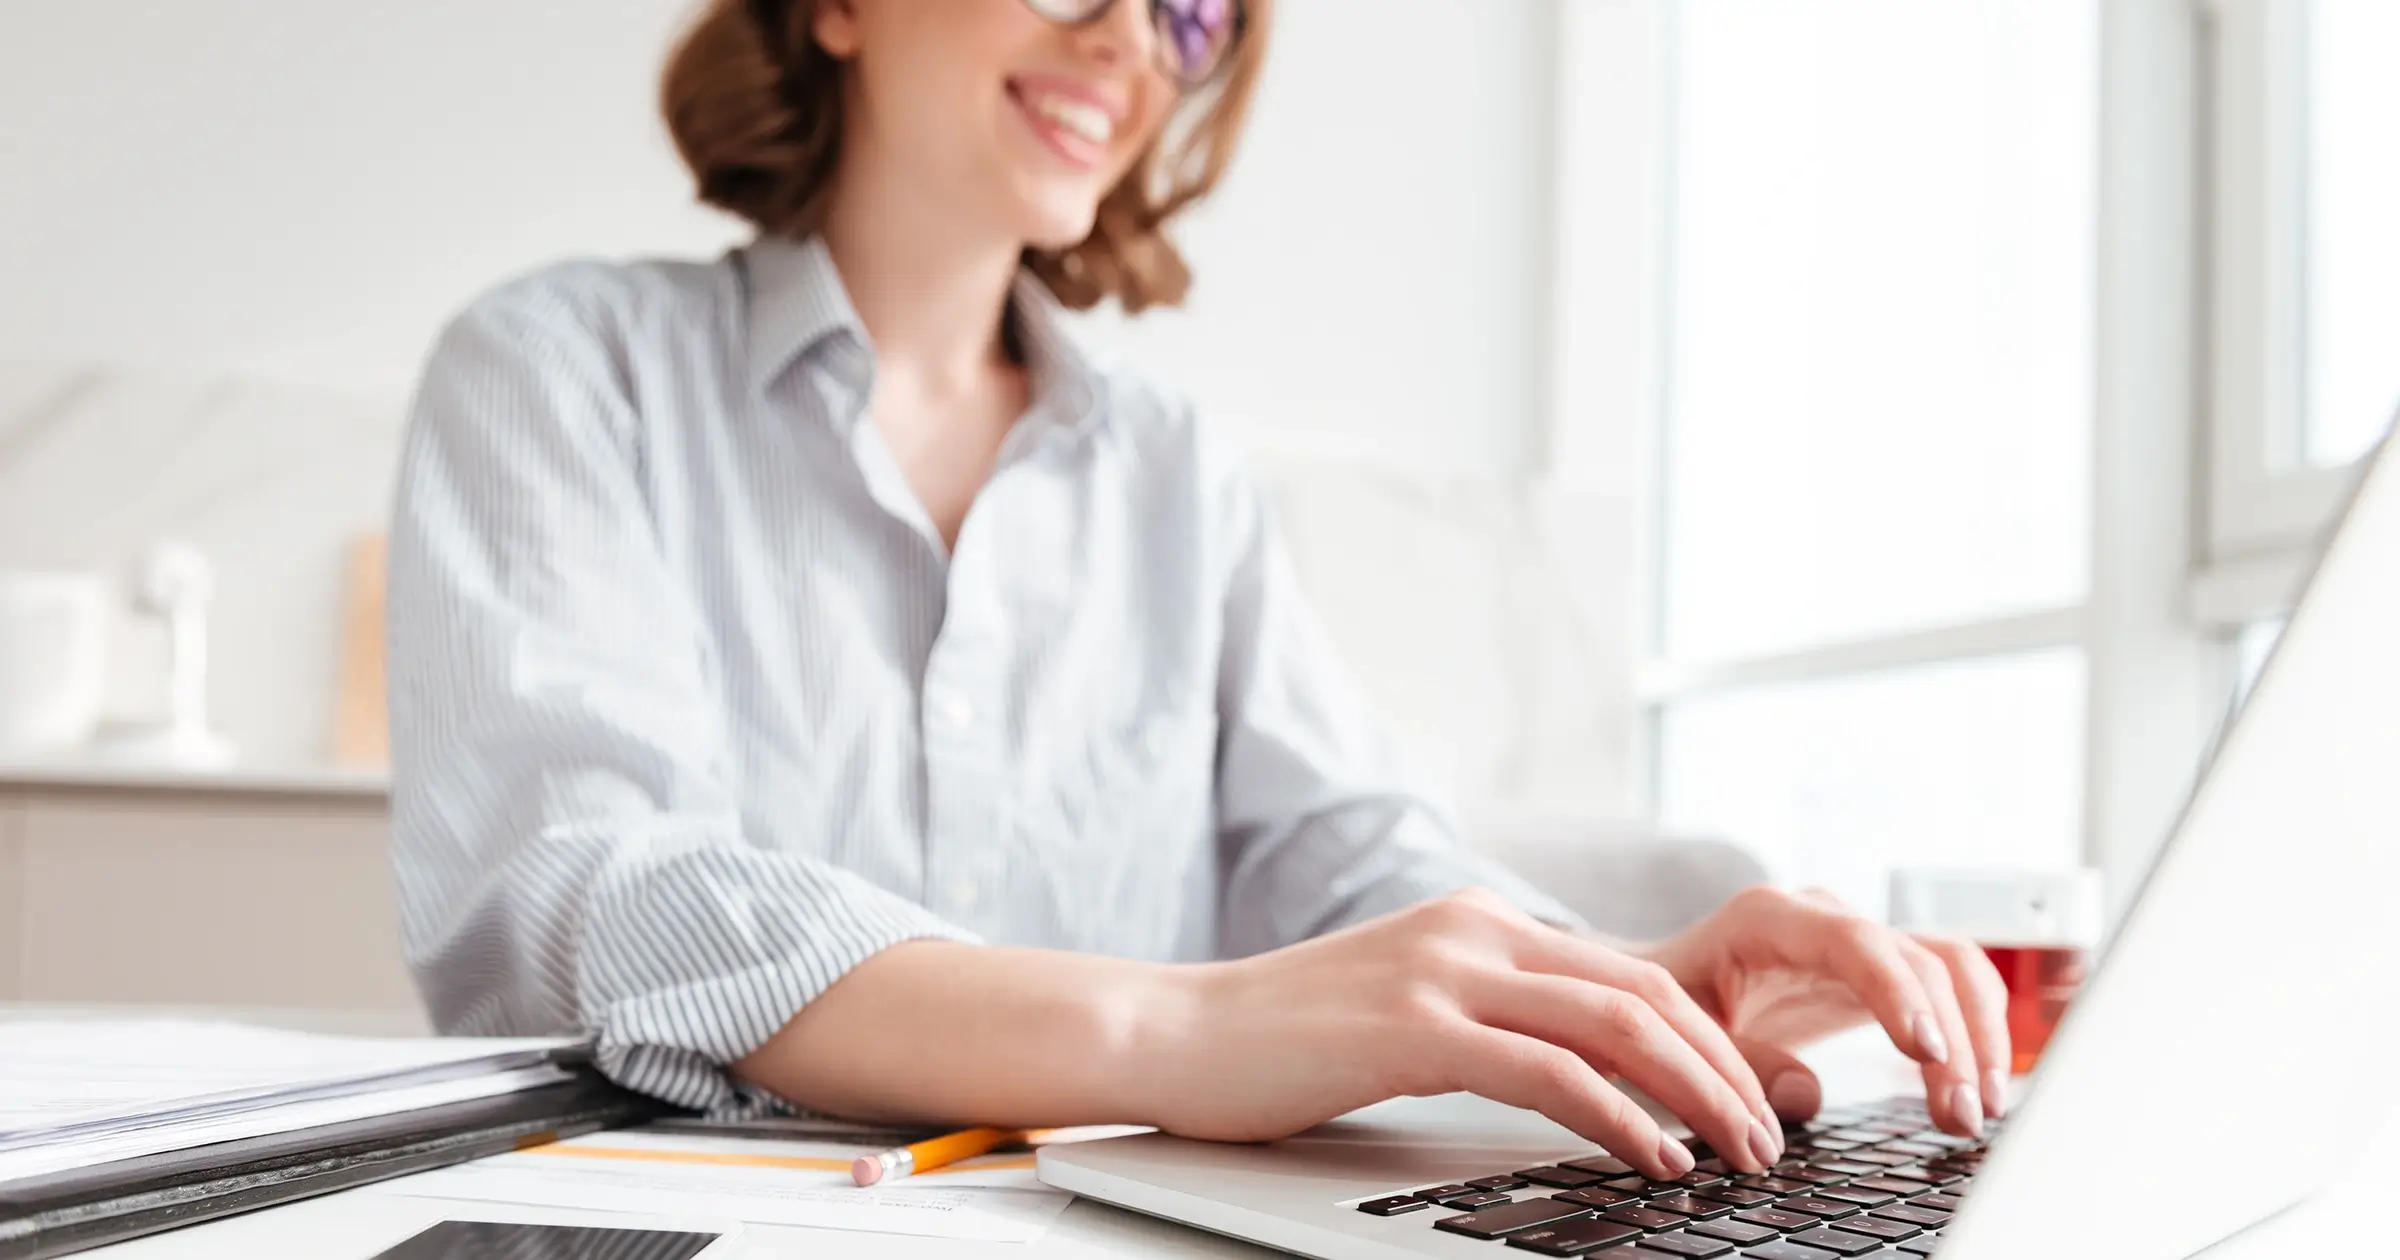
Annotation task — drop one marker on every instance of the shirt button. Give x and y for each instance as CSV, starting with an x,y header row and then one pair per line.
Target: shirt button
x,y
964,895
954,711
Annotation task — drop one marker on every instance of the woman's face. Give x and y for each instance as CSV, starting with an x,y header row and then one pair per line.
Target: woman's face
x,y
993,111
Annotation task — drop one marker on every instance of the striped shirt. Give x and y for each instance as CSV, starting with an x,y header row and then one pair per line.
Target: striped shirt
x,y
693,710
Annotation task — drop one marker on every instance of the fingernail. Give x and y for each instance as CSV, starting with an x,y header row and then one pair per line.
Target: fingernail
x,y
1676,1160
1765,1146
1930,1045
1967,1108
1795,1095
1995,1092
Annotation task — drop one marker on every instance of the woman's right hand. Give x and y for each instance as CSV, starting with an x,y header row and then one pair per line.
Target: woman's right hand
x,y
1462,993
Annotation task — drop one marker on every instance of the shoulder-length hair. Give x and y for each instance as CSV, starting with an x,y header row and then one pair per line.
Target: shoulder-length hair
x,y
754,106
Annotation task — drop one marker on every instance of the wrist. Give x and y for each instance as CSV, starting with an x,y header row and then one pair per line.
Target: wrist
x,y
1155,1023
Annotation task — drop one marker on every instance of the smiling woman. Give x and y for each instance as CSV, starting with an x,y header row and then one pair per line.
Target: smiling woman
x,y
809,662
756,100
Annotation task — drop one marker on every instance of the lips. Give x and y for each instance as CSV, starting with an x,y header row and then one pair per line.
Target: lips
x,y
1071,123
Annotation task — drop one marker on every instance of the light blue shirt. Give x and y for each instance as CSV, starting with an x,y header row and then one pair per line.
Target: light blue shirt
x,y
692,710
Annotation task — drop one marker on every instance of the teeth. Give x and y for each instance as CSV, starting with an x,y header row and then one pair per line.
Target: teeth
x,y
1084,119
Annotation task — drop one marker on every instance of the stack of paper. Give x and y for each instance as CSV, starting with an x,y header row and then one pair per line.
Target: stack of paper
x,y
74,1093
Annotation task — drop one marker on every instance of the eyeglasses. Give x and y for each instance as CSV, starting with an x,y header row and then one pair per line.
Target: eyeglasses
x,y
1195,37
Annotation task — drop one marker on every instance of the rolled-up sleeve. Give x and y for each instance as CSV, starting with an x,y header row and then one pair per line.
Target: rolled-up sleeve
x,y
569,853
1318,825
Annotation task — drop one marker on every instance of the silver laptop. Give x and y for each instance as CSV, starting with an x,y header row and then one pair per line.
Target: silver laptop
x,y
2239,1020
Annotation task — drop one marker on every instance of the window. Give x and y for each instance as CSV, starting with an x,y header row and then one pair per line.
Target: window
x,y
1876,432
2352,243
2306,270
1989,369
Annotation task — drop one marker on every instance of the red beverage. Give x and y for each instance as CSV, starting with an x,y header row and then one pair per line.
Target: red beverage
x,y
2041,980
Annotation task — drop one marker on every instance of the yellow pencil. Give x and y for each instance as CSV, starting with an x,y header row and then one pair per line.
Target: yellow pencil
x,y
917,1157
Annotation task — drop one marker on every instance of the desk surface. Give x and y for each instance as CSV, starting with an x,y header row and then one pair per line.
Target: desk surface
x,y
356,1224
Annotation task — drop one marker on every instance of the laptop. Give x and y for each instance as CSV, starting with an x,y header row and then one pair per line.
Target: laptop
x,y
2226,1057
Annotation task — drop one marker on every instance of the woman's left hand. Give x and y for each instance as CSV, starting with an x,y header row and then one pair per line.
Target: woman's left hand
x,y
1780,970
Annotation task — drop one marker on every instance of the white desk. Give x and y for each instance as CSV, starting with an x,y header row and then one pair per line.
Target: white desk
x,y
356,1224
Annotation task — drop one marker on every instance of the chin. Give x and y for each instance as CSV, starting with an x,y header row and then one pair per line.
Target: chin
x,y
1057,221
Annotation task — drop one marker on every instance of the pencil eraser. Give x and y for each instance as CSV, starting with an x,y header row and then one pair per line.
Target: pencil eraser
x,y
866,1170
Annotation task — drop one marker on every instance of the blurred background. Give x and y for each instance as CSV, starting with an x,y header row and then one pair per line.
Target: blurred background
x,y
1877,433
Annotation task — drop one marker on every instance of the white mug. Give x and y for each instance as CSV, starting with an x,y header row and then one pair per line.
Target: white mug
x,y
53,660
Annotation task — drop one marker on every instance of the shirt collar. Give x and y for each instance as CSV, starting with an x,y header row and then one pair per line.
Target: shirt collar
x,y
796,301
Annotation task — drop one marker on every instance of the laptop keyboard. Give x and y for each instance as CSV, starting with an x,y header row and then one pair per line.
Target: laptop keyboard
x,y
1876,1180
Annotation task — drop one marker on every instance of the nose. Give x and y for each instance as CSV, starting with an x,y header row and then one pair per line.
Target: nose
x,y
1122,37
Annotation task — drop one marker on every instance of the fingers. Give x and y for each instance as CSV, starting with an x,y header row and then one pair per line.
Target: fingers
x,y
1563,954
1952,1093
1616,1030
1983,1002
1866,957
1792,1088
1538,1075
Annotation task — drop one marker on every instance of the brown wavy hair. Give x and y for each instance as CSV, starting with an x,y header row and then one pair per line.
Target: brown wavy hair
x,y
754,106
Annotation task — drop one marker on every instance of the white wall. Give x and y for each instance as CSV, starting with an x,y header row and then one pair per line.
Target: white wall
x,y
301,191
228,229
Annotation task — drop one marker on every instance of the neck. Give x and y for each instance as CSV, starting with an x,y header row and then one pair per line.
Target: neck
x,y
931,291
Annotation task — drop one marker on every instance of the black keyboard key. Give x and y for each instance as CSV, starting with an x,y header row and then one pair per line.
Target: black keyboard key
x,y
1649,1189
1776,1218
1878,1227
1741,1232
1922,1150
1435,1194
1891,1185
1885,1159
1923,1217
1687,1205
1495,1183
1741,1196
1698,1177
1475,1202
1847,1168
1685,1243
1774,1185
1947,1141
1509,1218
1837,1242
1394,1206
1815,1176
1713,1166
1859,1195
1572,1238
1630,1185
1788,1251
1861,1135
1560,1178
1599,1197
1642,1217
1810,1205
1605,1165
1922,1245
1939,1202
1919,1173
1828,1143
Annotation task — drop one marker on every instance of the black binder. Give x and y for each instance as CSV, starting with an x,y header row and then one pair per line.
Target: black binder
x,y
62,1213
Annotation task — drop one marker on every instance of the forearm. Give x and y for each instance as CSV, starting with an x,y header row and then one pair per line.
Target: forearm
x,y
945,1032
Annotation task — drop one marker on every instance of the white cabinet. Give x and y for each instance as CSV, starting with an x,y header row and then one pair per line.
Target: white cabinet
x,y
192,895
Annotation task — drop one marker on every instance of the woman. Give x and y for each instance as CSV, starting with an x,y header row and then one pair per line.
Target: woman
x,y
822,682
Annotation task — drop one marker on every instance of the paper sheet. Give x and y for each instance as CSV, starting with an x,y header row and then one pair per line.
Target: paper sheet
x,y
994,1198
89,1076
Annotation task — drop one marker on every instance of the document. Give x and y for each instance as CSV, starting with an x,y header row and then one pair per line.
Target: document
x,y
81,1076
992,1198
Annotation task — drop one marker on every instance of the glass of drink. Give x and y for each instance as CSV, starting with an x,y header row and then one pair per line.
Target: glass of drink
x,y
2038,927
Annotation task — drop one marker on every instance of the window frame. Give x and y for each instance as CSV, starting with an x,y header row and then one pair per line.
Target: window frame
x,y
2186,350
